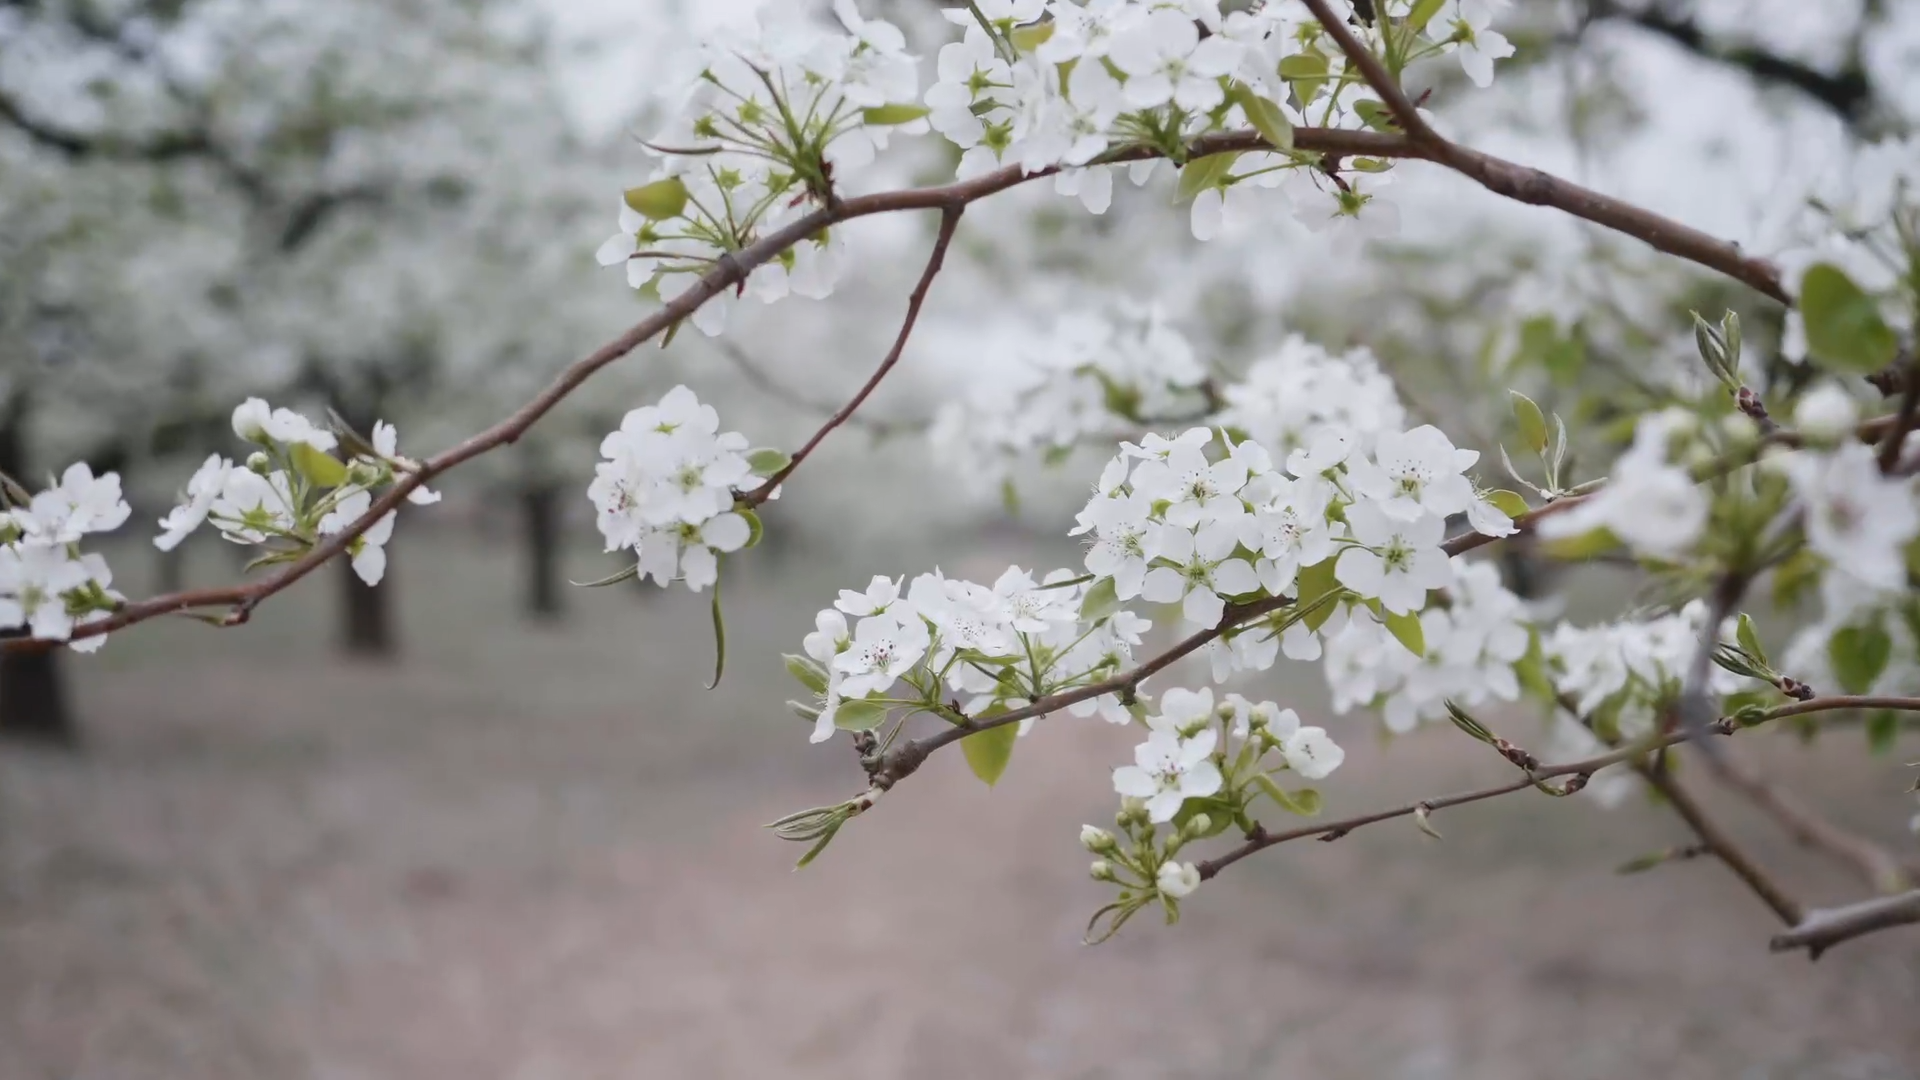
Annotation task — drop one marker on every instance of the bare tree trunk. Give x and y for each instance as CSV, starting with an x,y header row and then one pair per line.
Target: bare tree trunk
x,y
169,570
33,697
540,516
366,626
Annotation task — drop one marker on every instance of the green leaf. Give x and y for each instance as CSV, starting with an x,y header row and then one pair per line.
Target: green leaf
x,y
1102,600
1533,423
1423,13
1030,37
1844,327
1010,497
1305,802
614,578
1313,583
1883,729
886,115
1531,669
1584,546
860,714
1509,503
1220,814
1376,116
1748,638
807,670
767,460
1204,173
989,751
659,200
1266,117
755,530
1307,71
719,633
1858,654
1406,630
318,466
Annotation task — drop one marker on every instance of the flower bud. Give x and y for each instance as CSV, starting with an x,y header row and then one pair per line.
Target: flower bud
x,y
1826,414
259,462
1197,826
1178,879
1096,839
250,420
1101,870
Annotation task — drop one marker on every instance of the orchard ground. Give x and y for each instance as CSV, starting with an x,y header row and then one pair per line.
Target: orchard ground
x,y
531,852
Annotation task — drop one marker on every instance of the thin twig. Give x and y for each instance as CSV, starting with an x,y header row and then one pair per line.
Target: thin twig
x,y
949,220
1823,928
1903,420
1744,866
1533,777
1877,866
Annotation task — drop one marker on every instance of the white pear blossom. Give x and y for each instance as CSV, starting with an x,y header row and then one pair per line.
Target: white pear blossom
x,y
1860,519
1396,561
1177,879
1204,572
203,489
1418,472
1311,753
883,649
1168,770
368,551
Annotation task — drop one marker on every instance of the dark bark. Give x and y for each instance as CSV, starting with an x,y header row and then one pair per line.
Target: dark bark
x,y
169,570
542,525
34,704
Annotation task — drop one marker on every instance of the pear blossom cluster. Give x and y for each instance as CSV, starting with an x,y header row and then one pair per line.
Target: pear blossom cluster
x,y
1203,768
1095,375
1472,646
783,110
1058,83
1621,677
890,651
292,491
48,585
1172,523
1291,393
786,109
666,491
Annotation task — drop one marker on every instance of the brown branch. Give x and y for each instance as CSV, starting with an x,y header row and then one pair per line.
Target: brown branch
x,y
1903,420
1823,928
734,268
1711,835
1529,185
949,220
1723,846
1877,866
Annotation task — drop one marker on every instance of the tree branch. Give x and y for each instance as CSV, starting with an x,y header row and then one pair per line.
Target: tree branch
x,y
1722,845
726,272
1823,928
1877,866
1710,834
949,221
1528,185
